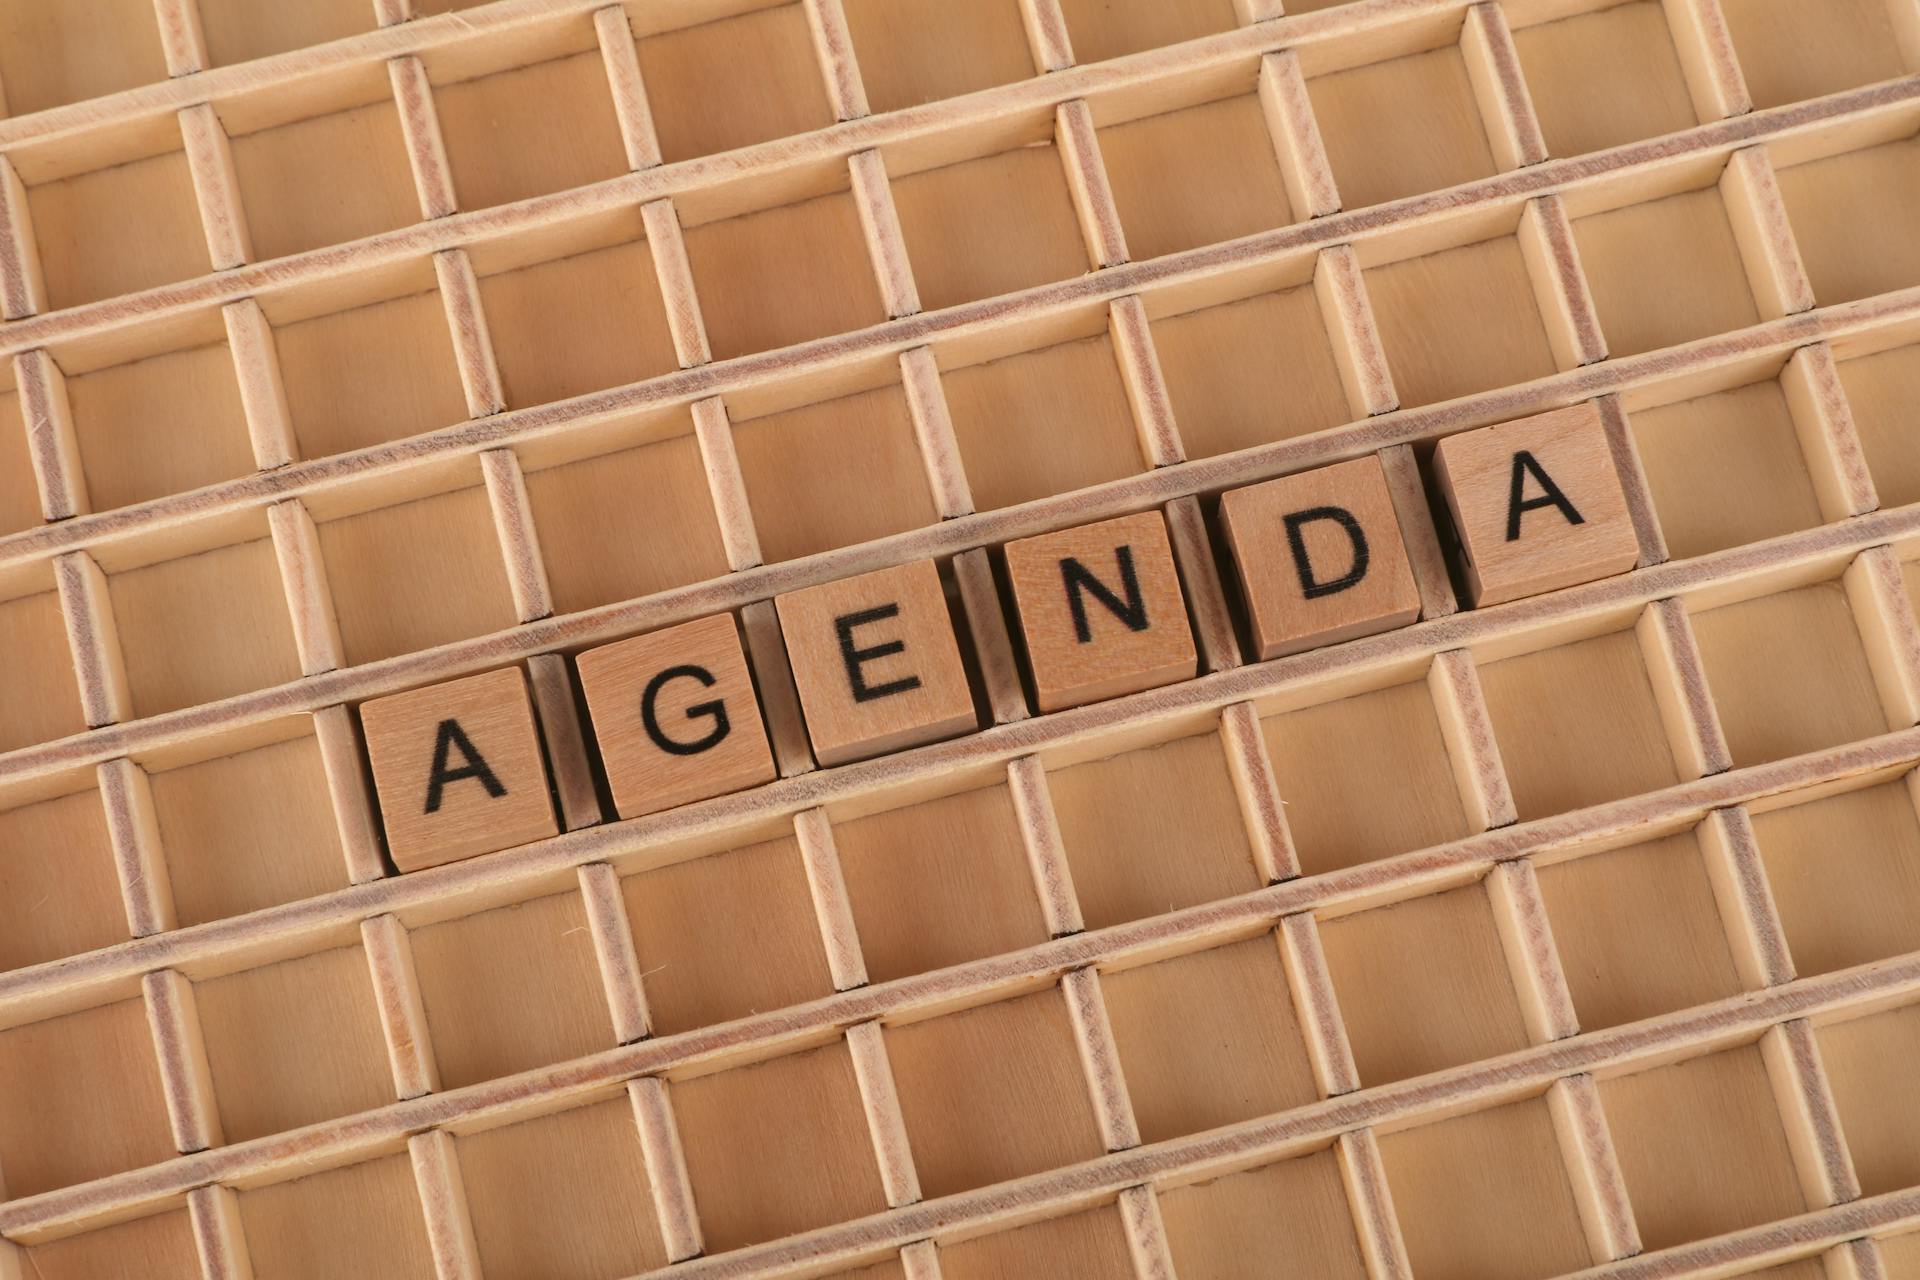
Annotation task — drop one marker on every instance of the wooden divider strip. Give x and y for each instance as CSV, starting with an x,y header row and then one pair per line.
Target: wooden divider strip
x,y
1804,1096
614,950
1679,679
920,1261
443,1202
54,449
832,908
216,189
1093,203
558,712
1100,1059
403,1015
1419,530
1855,1260
263,396
1145,384
1357,350
350,793
666,1163
886,242
1146,1234
1533,961
1829,439
22,287
1200,576
1705,47
219,1234
933,431
304,582
1593,1167
1316,1005
1745,899
1304,169
726,483
1467,728
472,343
93,639
139,862
886,1125
420,128
1500,88
1560,287
1262,807
992,643
180,1050
1371,1200
779,699
1775,272
517,535
389,13
1046,852
1884,616
182,42
1046,34
1252,11
668,245
1633,482
630,107
833,49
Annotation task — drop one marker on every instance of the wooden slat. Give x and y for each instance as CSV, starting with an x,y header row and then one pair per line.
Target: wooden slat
x,y
350,792
1419,532
833,47
1145,385
920,1261
1262,807
886,1125
565,736
1758,213
1046,852
1533,961
1500,88
139,861
219,1235
613,948
93,639
1316,1006
403,1016
223,220
886,243
933,432
1829,439
677,293
1200,576
832,909
1712,70
1679,680
420,127
1812,1118
519,540
303,580
1146,1234
1593,1167
186,1081
1079,147
1100,1059
443,1202
1304,167
1884,615
182,43
726,484
1471,746
1633,482
22,288
1747,910
50,440
1559,284
992,644
263,396
1365,1179
666,1165
1357,350
1046,34
630,107
472,343
779,699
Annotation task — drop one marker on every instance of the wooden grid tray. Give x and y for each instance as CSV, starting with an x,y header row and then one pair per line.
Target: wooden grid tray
x,y
353,346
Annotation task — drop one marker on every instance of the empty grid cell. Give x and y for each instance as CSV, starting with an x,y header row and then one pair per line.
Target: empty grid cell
x,y
1788,673
83,1099
1250,372
159,1247
1665,272
327,179
1702,1147
1330,761
576,324
726,935
1043,422
90,249
248,830
1577,725
777,1148
1423,985
1845,873
1460,321
1195,176
239,30
1485,1196
1726,469
1638,931
1102,29
992,1093
19,494
53,52
1293,1213
1153,830
939,883
158,426
511,989
1869,1063
1208,1039
563,1197
1604,79
992,225
914,51
59,895
783,275
834,474
420,574
295,1229
745,79
1880,388
44,701
1401,127
404,378
1846,213
294,1043
1791,50
1083,1246
1901,1254
530,131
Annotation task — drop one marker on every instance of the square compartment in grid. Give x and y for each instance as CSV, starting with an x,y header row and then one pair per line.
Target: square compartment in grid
x,y
1091,1245
1423,985
991,225
241,30
1043,422
939,883
777,1148
1512,1218
1330,761
1293,1214
1250,372
1153,830
405,380
158,1247
1665,272
1401,127
1460,321
249,830
59,893
563,1197
1639,931
204,627
1195,176
993,1093
510,989
1845,212
295,1228
44,701
783,275
1578,725
1788,673
1791,50
530,131
1726,469
416,575
1845,872
726,935
294,1043
1869,1063
53,52
1208,1039
734,82
1102,29
1702,1147
1880,389
327,179
915,51
834,474
162,425
576,324
19,493
1606,78
90,249
83,1098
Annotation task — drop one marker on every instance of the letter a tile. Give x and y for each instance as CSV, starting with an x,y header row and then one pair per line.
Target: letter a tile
x,y
458,769
675,716
1101,610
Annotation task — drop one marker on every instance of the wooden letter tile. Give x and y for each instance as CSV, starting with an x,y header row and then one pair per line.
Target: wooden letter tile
x,y
1321,559
676,717
876,663
1537,503
1101,609
458,769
